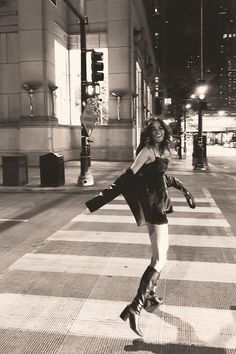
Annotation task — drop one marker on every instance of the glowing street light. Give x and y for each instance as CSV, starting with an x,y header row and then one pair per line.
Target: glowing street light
x,y
198,154
221,113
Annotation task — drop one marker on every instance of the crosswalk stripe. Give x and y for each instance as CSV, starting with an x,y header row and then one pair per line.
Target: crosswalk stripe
x,y
130,220
13,220
89,317
142,238
129,267
176,199
38,313
168,326
177,208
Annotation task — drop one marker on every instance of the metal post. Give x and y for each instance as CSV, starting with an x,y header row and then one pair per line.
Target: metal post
x,y
85,178
202,39
200,141
118,107
179,115
185,132
199,163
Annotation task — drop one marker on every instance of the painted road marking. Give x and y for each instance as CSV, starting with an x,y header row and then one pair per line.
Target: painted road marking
x,y
89,317
128,267
90,218
172,324
143,238
181,209
14,220
175,199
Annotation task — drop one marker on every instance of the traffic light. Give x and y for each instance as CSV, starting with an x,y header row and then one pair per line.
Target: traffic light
x,y
97,66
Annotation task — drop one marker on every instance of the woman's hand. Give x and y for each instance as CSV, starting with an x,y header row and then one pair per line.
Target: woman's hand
x,y
190,199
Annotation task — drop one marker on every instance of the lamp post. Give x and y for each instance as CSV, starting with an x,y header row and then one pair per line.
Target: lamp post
x,y
85,178
186,107
199,144
118,104
31,88
179,146
118,94
53,89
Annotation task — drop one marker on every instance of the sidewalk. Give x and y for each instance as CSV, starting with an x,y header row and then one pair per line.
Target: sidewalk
x,y
103,172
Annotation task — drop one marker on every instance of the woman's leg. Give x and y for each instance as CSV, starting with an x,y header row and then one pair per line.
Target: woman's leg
x,y
159,244
132,311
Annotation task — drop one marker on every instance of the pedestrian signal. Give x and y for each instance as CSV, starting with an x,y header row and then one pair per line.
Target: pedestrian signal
x,y
92,89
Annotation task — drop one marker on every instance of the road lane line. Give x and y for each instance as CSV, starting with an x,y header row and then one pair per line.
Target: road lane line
x,y
172,324
90,317
38,313
212,203
175,199
126,219
14,220
143,238
181,209
129,267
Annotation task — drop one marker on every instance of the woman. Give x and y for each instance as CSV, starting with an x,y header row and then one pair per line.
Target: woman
x,y
145,188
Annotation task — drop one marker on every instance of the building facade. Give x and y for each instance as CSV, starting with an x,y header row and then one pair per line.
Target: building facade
x,y
227,54
40,86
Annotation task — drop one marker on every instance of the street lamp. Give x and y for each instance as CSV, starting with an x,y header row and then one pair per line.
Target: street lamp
x,y
53,89
31,88
186,108
199,144
118,95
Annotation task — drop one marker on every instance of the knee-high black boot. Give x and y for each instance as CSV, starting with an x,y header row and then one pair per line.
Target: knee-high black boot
x,y
132,311
153,302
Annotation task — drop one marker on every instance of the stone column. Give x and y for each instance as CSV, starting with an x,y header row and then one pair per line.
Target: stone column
x,y
119,49
36,60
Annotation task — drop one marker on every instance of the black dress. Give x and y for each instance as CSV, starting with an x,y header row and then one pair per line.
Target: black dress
x,y
158,199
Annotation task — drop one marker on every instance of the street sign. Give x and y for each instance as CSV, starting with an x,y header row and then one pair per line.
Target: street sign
x,y
91,115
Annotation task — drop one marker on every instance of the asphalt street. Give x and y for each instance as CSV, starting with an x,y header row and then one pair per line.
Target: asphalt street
x,y
66,274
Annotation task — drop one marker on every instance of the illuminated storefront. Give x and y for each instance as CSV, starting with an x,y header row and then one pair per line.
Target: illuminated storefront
x,y
40,91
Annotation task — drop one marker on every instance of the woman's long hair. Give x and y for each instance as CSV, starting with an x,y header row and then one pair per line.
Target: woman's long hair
x,y
146,138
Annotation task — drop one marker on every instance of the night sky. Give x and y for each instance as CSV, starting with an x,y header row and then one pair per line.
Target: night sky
x,y
183,30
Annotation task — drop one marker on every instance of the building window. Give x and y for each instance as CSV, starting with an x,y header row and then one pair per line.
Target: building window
x,y
54,2
62,81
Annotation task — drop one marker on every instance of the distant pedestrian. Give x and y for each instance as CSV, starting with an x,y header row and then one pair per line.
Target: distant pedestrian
x,y
144,186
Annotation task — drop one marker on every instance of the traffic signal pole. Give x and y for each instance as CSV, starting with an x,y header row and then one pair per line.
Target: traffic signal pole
x,y
85,178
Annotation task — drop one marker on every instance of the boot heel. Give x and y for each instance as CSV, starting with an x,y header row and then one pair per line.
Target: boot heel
x,y
125,314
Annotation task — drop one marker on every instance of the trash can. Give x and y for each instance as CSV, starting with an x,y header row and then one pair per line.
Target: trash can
x,y
196,150
52,172
15,170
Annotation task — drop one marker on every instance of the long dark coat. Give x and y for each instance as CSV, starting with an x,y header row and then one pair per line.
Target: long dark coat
x,y
135,194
